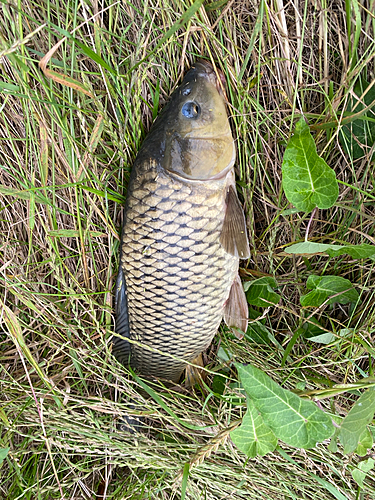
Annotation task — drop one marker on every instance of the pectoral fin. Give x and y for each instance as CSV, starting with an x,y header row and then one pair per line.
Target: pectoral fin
x,y
233,235
236,310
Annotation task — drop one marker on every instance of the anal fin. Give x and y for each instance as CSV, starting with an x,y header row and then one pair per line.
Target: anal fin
x,y
233,235
193,374
236,309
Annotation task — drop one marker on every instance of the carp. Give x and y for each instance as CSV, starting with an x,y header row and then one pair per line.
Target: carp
x,y
183,234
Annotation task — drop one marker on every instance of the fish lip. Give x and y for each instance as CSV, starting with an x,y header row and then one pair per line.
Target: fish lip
x,y
214,75
207,66
221,175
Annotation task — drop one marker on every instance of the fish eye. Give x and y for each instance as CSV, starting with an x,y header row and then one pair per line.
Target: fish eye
x,y
191,109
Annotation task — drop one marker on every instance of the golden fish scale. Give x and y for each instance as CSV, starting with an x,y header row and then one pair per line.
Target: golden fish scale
x,y
177,274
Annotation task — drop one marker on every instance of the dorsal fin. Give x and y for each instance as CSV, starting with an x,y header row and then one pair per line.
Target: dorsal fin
x,y
233,234
236,309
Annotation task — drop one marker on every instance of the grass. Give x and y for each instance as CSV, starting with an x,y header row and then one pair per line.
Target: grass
x,y
68,138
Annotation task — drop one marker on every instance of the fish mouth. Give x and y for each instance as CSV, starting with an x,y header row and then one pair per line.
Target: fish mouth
x,y
221,175
214,75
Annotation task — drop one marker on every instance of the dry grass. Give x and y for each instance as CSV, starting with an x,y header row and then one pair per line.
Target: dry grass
x,y
62,393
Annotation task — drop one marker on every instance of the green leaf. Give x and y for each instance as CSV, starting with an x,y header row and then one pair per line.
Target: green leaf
x,y
254,437
290,211
313,331
329,337
224,354
356,251
259,292
333,443
307,180
296,421
3,454
323,338
339,289
358,136
355,422
219,382
359,474
365,443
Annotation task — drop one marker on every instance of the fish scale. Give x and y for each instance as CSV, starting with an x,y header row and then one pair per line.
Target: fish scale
x,y
182,306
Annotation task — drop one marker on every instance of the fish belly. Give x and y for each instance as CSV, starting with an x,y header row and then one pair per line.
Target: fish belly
x,y
177,274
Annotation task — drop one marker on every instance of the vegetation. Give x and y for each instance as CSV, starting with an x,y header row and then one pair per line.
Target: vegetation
x,y
80,86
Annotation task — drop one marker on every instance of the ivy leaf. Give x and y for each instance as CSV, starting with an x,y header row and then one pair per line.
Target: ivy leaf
x,y
254,437
359,474
296,421
259,292
339,289
362,251
219,381
365,443
307,179
290,211
358,136
355,422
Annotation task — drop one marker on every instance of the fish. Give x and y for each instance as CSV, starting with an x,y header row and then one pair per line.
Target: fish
x,y
183,234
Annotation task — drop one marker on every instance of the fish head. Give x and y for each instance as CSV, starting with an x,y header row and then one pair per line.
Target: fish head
x,y
198,140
